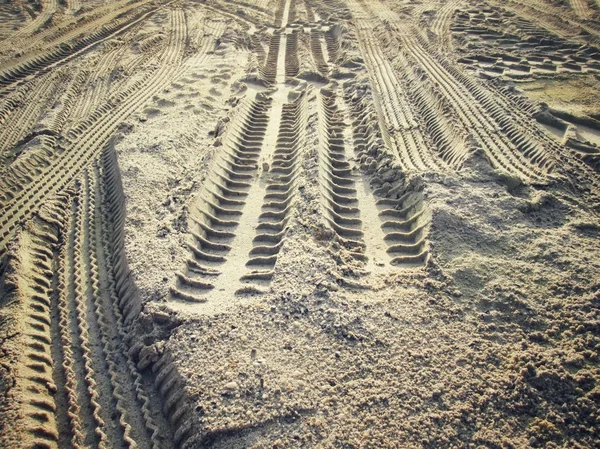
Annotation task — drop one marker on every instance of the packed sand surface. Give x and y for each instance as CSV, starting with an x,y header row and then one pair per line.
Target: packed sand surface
x,y
299,224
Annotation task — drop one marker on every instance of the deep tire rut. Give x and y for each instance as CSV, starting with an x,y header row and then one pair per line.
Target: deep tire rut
x,y
77,306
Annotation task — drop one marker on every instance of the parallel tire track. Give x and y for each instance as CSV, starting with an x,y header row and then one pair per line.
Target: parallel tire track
x,y
22,119
280,192
81,387
442,127
337,183
402,213
32,65
477,110
582,8
218,209
88,138
48,9
443,20
521,157
405,135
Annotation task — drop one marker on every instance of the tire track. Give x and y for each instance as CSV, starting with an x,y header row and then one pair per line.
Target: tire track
x,y
25,116
442,22
171,387
111,373
65,28
211,32
285,13
87,139
218,211
292,64
278,197
125,308
79,327
340,203
34,286
65,347
333,45
282,59
49,7
31,164
269,71
74,5
525,114
310,14
441,126
37,62
12,17
243,11
80,386
501,152
248,24
251,170
399,234
99,85
404,134
532,51
547,19
366,141
319,51
405,223
581,8
477,111
262,4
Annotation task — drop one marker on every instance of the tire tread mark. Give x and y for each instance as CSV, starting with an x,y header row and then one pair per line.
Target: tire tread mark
x,y
37,367
474,117
91,214
268,72
87,139
403,214
316,45
216,212
337,183
34,64
72,380
112,225
81,319
404,133
280,191
170,385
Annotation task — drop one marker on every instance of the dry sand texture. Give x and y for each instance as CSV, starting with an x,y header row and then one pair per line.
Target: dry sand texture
x,y
299,224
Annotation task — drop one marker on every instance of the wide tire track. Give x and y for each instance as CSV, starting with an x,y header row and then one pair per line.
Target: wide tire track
x,y
401,213
338,189
217,211
278,201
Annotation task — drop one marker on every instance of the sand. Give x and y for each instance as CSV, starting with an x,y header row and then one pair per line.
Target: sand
x,y
300,224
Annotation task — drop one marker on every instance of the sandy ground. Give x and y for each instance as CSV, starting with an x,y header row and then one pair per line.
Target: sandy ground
x,y
300,224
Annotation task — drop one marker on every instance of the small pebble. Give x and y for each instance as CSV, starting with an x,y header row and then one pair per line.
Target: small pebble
x,y
231,386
